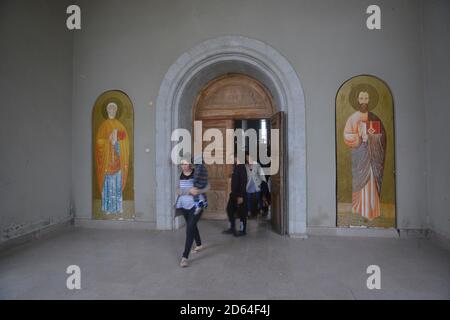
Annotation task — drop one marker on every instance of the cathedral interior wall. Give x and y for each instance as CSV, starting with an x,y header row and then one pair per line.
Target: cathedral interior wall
x,y
436,46
36,54
320,41
130,45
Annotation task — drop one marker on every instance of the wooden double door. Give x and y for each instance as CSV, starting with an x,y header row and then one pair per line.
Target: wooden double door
x,y
219,175
218,105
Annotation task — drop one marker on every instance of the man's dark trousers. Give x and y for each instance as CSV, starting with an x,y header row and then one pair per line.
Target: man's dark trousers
x,y
235,210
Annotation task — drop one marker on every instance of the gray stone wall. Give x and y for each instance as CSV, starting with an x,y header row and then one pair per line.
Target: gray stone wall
x,y
35,123
437,83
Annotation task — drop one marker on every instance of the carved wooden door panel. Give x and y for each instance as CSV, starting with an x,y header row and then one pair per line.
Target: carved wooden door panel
x,y
218,174
278,191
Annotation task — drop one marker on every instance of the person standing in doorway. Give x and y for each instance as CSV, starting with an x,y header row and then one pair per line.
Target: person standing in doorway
x,y
236,206
253,186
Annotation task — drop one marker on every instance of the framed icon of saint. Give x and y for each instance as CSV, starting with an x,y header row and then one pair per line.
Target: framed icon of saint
x,y
365,154
112,150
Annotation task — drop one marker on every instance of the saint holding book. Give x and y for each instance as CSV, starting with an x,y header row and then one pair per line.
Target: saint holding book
x,y
364,133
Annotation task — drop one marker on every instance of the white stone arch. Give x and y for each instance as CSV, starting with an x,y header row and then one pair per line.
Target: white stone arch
x,y
190,72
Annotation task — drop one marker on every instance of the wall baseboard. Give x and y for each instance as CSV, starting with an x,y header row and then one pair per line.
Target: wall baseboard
x,y
438,238
36,234
114,224
441,240
353,232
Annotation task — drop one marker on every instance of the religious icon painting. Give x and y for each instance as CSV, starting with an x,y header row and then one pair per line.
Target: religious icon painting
x,y
365,157
112,153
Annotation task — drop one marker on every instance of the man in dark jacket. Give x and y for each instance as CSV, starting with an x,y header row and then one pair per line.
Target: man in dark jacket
x,y
236,202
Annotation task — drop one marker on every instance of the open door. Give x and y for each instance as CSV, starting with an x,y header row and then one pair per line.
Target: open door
x,y
218,174
278,191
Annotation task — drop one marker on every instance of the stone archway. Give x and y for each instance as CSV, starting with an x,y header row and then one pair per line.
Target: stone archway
x,y
190,72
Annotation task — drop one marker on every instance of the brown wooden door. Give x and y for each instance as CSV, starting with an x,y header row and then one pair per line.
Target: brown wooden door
x,y
218,174
278,191
229,97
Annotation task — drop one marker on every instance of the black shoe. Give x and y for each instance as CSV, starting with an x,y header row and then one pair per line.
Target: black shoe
x,y
228,231
240,234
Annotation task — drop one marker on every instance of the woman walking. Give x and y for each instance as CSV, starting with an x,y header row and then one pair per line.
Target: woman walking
x,y
185,205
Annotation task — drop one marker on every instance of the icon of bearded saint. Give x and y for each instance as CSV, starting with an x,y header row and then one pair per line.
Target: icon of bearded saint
x,y
112,157
364,133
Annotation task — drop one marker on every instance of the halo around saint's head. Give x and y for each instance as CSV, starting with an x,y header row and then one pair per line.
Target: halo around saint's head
x,y
118,104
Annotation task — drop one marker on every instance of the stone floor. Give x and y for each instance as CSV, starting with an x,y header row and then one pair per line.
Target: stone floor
x,y
125,264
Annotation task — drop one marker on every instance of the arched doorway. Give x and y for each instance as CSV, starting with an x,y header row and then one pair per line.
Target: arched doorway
x,y
177,94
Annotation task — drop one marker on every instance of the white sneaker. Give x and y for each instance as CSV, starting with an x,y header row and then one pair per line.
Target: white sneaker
x,y
197,249
184,263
